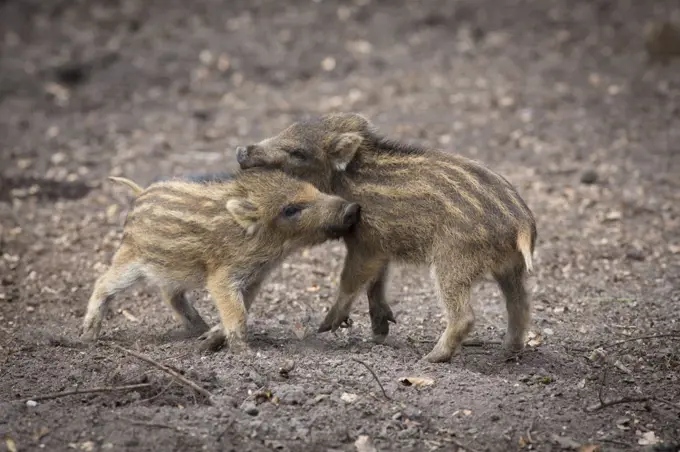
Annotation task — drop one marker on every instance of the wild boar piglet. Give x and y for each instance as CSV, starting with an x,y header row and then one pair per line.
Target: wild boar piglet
x,y
419,205
222,235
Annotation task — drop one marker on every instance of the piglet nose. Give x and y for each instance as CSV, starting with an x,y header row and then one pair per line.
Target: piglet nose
x,y
241,154
352,214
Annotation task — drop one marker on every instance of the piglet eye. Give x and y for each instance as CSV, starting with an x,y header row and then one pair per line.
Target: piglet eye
x,y
291,210
298,154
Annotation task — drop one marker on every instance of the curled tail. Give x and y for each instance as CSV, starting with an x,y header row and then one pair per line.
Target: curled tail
x,y
135,188
525,244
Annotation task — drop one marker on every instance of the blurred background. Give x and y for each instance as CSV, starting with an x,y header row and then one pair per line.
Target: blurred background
x,y
150,87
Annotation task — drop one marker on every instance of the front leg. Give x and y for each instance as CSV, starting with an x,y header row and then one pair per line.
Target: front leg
x,y
229,298
378,309
359,268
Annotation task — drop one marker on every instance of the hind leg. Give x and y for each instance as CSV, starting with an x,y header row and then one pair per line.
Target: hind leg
x,y
512,284
229,299
454,292
378,309
183,311
122,273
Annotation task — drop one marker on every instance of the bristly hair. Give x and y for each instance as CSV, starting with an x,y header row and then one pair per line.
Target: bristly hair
x,y
389,146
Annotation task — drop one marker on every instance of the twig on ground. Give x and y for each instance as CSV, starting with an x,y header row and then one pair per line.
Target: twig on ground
x,y
466,342
374,376
618,443
150,424
531,427
479,343
604,381
638,338
182,379
57,395
604,404
460,444
154,397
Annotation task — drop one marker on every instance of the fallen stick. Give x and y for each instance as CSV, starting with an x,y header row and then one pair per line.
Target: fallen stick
x,y
374,376
57,395
182,379
150,424
460,445
604,404
479,343
638,338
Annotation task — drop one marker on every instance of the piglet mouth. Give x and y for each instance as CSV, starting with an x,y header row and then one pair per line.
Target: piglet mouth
x,y
350,218
338,232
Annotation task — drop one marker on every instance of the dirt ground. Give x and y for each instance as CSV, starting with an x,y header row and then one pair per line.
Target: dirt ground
x,y
557,95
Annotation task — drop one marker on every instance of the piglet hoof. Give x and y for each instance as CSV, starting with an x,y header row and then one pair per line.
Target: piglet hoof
x,y
380,326
439,355
513,346
212,340
89,335
332,322
347,323
512,350
237,345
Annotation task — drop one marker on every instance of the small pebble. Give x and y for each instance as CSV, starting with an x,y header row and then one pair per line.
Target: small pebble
x,y
250,408
635,254
31,403
589,177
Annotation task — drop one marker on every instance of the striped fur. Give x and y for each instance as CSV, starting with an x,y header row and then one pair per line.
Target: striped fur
x,y
420,206
225,235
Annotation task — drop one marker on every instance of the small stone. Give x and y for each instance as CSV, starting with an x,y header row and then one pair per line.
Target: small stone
x,y
250,408
349,397
589,177
206,57
635,254
286,368
328,64
31,403
57,158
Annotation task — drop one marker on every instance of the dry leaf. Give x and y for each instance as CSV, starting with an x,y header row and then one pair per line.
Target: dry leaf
x,y
364,444
533,339
348,397
647,439
38,434
11,445
589,448
623,424
299,330
564,441
129,316
614,215
416,381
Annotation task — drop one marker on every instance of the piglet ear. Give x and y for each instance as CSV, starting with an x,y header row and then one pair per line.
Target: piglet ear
x,y
244,213
344,148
